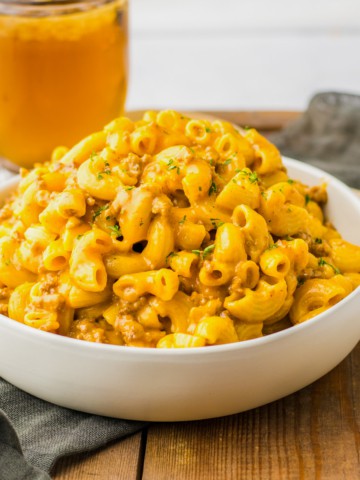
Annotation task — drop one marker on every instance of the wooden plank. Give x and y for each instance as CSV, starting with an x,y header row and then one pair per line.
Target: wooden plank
x,y
119,460
311,434
262,120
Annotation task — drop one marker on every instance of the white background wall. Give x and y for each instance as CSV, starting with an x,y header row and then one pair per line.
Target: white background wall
x,y
236,54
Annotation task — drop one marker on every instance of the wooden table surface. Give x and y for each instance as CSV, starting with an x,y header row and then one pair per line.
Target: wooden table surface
x,y
312,434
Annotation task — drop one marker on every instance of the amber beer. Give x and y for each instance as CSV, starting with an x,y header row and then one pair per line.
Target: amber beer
x,y
63,73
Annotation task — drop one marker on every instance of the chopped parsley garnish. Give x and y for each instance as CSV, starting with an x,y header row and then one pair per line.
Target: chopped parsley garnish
x,y
227,161
192,150
208,250
115,230
246,127
106,171
171,166
129,188
307,199
323,262
92,156
99,211
290,181
183,220
213,188
79,236
197,252
272,246
216,222
318,240
253,177
208,130
300,281
170,255
211,161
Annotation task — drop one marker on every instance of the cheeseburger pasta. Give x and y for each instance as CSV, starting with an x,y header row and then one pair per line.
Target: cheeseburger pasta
x,y
169,232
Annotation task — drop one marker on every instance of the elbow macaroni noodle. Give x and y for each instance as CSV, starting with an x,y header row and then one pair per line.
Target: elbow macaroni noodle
x,y
169,232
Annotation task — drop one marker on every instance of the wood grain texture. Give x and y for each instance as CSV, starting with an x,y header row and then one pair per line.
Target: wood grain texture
x,y
262,120
312,434
118,461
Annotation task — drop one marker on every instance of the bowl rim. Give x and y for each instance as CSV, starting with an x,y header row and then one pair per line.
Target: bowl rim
x,y
81,345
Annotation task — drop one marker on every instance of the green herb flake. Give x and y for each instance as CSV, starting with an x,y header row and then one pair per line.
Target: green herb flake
x,y
183,220
170,255
108,217
208,250
129,188
323,262
300,281
216,222
272,246
211,161
92,156
318,240
307,199
115,230
246,127
99,176
192,150
79,236
290,181
208,130
213,188
227,161
99,211
253,177
197,252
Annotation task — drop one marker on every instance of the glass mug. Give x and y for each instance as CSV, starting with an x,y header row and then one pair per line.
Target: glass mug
x,y
63,73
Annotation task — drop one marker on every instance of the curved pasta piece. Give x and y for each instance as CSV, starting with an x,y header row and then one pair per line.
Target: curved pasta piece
x,y
177,309
243,189
254,228
317,295
267,156
160,243
98,180
180,340
346,256
162,283
260,304
19,301
217,330
82,150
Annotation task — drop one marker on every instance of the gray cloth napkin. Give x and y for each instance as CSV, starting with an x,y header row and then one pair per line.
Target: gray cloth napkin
x,y
326,136
34,433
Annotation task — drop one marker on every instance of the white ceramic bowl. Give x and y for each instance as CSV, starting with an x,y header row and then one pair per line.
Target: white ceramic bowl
x,y
172,385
